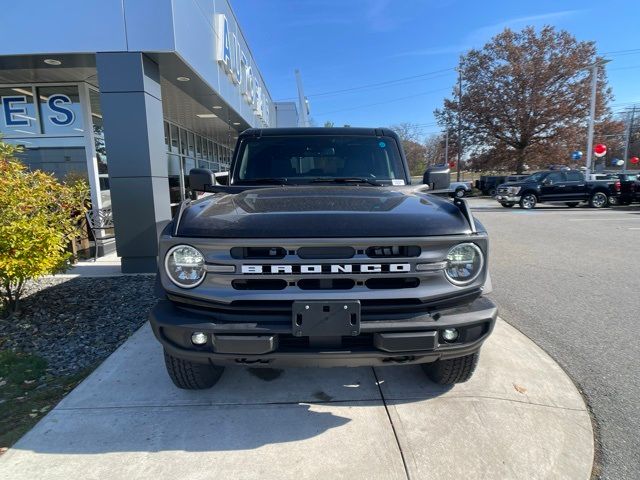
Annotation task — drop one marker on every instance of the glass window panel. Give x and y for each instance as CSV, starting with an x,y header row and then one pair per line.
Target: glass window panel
x,y
198,146
175,189
175,139
192,150
18,112
189,163
183,142
100,146
167,142
60,110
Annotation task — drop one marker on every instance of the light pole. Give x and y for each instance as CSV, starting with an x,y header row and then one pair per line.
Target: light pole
x,y
446,148
628,138
592,112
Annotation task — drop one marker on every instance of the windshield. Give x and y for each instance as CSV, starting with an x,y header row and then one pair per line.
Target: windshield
x,y
535,177
322,158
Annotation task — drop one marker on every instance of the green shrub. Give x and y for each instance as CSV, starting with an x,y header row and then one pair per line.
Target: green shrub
x,y
39,216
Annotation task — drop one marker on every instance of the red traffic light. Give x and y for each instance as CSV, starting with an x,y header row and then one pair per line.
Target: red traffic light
x,y
634,160
600,150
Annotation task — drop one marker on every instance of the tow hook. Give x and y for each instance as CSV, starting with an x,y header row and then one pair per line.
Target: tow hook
x,y
404,359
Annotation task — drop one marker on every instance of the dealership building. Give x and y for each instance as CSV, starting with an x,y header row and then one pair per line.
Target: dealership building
x,y
130,94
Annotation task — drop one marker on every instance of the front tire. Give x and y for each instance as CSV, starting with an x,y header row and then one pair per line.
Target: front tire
x,y
459,193
191,375
528,201
492,192
599,200
454,370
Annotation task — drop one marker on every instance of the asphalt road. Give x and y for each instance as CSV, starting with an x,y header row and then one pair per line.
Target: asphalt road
x,y
570,280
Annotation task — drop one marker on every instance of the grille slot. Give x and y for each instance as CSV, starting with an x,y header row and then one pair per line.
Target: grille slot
x,y
258,252
394,251
326,252
326,284
259,284
391,283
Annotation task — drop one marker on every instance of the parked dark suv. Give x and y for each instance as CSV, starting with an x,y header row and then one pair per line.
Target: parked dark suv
x,y
557,186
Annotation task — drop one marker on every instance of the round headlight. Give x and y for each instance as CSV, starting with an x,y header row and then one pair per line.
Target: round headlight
x,y
464,263
185,266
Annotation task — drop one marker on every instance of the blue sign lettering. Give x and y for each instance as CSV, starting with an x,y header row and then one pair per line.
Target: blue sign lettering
x,y
64,116
15,116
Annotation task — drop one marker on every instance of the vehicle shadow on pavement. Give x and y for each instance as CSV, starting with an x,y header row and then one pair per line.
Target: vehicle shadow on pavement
x,y
130,405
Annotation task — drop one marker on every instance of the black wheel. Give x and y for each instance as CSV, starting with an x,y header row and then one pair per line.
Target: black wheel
x,y
506,204
191,375
459,193
528,201
614,201
455,370
492,192
599,200
573,204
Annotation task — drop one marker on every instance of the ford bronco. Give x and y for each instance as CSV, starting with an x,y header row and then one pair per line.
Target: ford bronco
x,y
319,252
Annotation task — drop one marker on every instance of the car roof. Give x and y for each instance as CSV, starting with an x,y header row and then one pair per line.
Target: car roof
x,y
314,131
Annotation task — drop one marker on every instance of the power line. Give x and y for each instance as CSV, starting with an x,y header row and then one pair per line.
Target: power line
x,y
383,103
379,84
618,53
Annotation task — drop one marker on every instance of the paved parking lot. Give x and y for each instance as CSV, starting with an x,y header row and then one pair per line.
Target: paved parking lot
x,y
570,280
519,417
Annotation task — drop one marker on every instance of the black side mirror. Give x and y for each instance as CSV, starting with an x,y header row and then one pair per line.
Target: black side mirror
x,y
222,178
200,179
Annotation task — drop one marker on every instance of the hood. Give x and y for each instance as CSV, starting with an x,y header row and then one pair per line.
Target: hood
x,y
322,212
513,184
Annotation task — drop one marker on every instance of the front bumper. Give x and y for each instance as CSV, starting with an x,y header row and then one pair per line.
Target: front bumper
x,y
504,198
414,338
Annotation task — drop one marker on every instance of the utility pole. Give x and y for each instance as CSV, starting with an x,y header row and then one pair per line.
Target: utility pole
x,y
459,120
628,139
592,112
303,121
446,147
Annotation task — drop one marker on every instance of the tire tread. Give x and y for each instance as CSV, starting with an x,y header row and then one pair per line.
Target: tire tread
x,y
455,370
190,375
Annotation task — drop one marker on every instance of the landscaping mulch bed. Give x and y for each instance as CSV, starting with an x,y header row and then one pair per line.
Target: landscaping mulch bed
x,y
66,327
74,323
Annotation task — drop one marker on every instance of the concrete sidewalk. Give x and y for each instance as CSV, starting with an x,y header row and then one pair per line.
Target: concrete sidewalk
x,y
106,266
519,417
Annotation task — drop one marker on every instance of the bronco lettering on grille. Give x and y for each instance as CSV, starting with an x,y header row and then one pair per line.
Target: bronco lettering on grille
x,y
327,268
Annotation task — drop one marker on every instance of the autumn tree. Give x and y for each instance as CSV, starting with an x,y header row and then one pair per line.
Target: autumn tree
x,y
525,92
435,147
414,150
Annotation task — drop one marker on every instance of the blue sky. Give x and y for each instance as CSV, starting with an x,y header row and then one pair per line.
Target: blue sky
x,y
348,44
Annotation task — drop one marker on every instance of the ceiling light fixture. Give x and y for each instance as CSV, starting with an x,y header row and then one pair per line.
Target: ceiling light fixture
x,y
217,107
206,115
236,123
52,61
183,79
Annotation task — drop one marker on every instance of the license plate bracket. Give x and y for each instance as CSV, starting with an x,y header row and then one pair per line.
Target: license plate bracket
x,y
320,318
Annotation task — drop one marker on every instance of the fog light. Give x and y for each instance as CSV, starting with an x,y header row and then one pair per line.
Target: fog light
x,y
450,334
199,338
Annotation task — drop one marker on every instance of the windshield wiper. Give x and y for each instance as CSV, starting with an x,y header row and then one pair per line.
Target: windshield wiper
x,y
369,181
275,181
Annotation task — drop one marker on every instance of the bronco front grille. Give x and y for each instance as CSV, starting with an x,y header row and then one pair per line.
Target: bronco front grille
x,y
367,269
